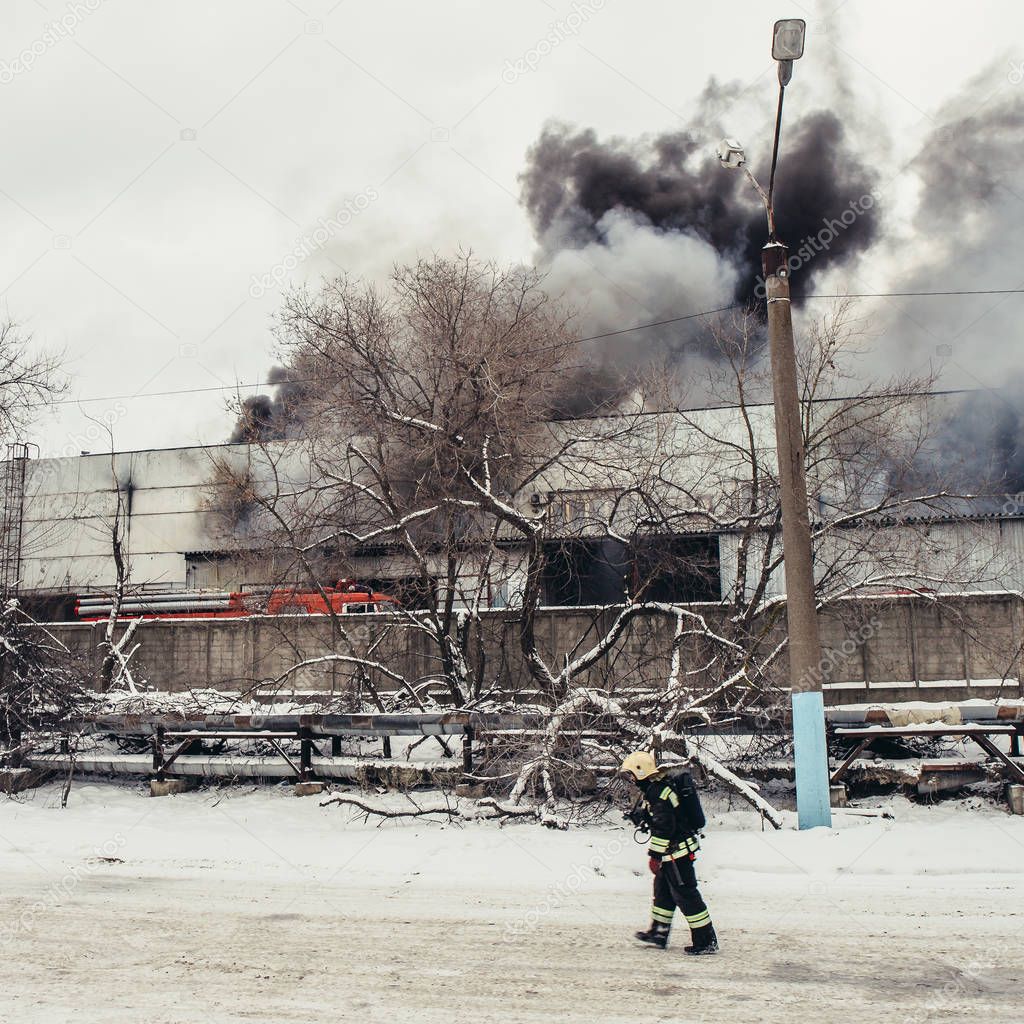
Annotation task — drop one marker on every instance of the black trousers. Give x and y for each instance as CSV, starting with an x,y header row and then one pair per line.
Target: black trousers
x,y
675,885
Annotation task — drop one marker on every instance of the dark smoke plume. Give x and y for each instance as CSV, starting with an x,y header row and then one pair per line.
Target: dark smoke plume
x,y
966,235
976,448
672,183
984,440
271,418
591,389
645,229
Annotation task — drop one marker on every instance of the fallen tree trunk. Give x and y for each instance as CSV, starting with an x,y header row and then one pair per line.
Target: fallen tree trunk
x,y
717,770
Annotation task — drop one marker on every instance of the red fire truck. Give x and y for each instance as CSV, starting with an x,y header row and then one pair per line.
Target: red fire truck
x,y
344,598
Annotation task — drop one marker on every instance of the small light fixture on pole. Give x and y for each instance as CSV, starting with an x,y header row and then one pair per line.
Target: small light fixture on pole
x,y
731,155
788,45
809,749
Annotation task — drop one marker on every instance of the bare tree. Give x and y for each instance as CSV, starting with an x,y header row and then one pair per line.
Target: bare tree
x,y
34,682
425,437
714,473
431,441
118,651
40,690
30,380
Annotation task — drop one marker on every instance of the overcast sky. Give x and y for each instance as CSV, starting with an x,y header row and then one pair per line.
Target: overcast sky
x,y
161,157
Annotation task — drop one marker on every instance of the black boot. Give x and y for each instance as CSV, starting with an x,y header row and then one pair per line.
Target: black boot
x,y
656,935
705,942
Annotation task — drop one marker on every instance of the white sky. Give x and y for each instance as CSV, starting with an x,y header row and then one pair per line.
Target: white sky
x,y
164,153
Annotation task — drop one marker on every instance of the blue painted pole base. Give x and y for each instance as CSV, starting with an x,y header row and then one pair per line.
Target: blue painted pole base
x,y
811,756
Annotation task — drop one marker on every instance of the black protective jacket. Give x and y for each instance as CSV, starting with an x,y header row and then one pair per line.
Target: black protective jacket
x,y
673,835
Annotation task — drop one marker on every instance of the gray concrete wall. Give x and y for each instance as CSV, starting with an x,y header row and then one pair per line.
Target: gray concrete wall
x,y
897,648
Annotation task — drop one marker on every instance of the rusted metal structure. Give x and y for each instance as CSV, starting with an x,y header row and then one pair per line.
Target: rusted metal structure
x,y
979,732
978,721
12,518
176,741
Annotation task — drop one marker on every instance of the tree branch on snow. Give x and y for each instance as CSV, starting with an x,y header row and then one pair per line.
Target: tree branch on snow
x,y
717,770
448,810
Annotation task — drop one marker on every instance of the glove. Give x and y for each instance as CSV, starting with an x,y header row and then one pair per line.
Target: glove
x,y
654,864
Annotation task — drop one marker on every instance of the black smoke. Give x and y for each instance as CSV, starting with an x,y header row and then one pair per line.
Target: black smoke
x,y
271,417
590,390
977,447
674,183
967,231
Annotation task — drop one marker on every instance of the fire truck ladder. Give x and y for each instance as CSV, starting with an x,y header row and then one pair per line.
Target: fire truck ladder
x,y
12,518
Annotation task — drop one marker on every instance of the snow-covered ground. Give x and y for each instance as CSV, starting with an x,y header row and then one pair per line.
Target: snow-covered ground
x,y
252,905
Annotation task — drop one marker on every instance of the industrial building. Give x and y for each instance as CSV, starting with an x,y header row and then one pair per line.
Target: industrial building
x,y
59,513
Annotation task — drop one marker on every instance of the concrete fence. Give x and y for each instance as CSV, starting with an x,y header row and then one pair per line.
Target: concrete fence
x,y
880,649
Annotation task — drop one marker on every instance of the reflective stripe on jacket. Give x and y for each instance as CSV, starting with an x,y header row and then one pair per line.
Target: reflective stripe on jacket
x,y
671,838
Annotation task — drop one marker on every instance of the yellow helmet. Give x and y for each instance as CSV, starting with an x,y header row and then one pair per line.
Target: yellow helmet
x,y
640,764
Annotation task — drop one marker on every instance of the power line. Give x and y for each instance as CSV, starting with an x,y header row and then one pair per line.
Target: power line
x,y
593,337
901,295
751,404
661,323
310,380
171,394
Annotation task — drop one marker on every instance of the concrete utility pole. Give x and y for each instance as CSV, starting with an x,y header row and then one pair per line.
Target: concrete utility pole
x,y
809,749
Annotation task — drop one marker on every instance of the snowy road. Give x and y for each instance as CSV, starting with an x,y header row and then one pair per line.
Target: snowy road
x,y
264,908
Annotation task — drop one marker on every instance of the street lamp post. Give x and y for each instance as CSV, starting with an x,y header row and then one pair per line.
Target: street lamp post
x,y
809,750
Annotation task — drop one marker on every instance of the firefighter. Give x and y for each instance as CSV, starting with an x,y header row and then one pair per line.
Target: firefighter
x,y
672,851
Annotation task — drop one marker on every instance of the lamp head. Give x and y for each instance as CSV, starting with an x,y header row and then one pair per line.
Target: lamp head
x,y
788,39
731,155
788,45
